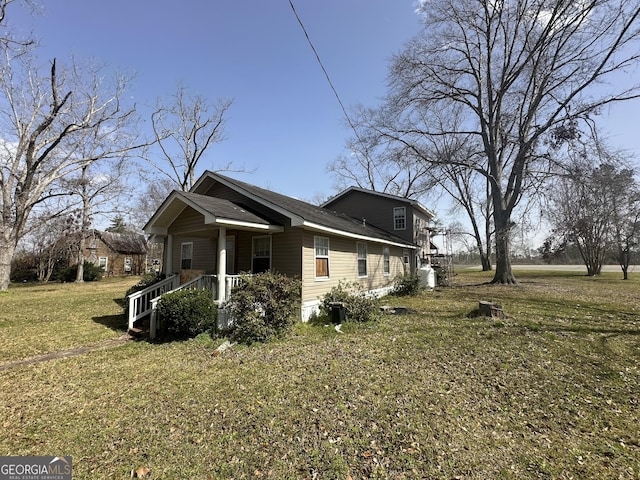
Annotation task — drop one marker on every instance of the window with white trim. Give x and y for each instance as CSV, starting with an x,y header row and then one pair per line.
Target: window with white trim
x,y
102,262
399,218
362,259
186,255
261,256
386,261
321,247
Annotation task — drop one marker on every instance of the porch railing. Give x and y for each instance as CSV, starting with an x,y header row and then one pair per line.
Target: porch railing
x,y
140,303
145,302
199,283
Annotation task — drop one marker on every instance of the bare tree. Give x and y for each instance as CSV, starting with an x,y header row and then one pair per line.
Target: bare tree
x,y
185,127
625,219
509,74
147,202
97,186
379,164
44,119
596,206
375,164
7,41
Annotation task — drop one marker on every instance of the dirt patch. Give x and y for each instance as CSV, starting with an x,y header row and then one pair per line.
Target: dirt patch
x,y
73,352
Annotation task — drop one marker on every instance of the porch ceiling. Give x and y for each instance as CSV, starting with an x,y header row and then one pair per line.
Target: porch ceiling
x,y
216,213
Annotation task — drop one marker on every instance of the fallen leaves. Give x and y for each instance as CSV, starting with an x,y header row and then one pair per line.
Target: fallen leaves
x,y
140,472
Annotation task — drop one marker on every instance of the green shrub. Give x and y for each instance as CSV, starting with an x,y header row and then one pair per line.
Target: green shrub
x,y
407,285
359,307
187,313
91,273
263,307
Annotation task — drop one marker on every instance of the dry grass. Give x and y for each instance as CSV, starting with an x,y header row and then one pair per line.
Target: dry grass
x,y
553,391
40,318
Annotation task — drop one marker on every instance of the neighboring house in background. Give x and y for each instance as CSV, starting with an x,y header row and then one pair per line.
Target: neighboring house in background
x,y
406,218
224,227
117,253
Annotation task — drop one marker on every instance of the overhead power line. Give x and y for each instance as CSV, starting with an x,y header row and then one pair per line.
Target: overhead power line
x,y
324,70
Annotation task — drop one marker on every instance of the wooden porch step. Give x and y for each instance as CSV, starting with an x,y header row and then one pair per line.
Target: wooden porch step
x,y
136,332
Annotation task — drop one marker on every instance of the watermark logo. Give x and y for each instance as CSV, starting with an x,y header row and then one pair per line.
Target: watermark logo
x,y
35,468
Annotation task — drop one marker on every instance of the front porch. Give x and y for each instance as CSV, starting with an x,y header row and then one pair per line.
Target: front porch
x,y
142,305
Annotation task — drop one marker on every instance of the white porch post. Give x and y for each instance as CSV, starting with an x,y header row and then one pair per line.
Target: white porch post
x,y
168,257
222,263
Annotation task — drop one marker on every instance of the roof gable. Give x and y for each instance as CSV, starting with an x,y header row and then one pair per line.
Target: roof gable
x,y
363,191
216,211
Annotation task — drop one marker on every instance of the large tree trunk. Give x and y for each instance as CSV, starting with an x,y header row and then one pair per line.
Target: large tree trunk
x,y
503,273
7,247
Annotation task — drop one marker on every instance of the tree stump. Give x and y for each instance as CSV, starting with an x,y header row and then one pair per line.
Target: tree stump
x,y
491,310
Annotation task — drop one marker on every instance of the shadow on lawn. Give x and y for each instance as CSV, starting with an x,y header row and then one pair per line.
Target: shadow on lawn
x,y
114,322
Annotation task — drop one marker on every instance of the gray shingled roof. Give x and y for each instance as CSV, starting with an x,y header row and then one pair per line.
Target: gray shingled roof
x,y
131,243
311,213
221,208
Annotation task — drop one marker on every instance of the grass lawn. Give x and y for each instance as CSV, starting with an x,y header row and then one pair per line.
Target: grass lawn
x,y
553,391
42,318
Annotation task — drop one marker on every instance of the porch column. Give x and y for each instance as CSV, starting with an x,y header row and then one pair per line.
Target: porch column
x,y
168,256
222,263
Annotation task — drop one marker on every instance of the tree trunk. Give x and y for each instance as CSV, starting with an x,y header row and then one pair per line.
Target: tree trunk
x,y
485,261
503,273
7,247
80,273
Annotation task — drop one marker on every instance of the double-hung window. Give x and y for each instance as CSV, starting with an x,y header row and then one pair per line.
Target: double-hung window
x,y
186,255
321,247
362,259
261,257
102,263
386,261
399,218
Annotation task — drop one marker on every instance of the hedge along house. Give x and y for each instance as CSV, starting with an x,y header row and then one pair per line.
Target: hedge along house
x,y
223,227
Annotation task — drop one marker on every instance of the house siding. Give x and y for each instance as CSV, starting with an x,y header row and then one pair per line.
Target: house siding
x,y
343,266
190,222
203,257
376,210
286,254
115,260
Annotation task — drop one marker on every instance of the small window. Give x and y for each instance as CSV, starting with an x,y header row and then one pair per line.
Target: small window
x,y
386,261
128,263
399,218
102,262
186,255
321,246
362,259
261,258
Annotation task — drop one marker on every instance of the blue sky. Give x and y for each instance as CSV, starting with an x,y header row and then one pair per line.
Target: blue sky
x,y
285,121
